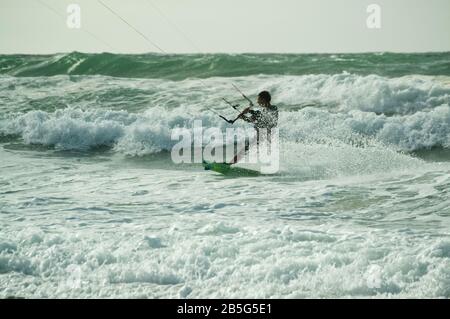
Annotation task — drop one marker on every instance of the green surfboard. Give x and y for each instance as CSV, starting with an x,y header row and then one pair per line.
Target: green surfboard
x,y
229,170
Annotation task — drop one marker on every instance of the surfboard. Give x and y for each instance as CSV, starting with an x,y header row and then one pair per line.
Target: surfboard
x,y
229,170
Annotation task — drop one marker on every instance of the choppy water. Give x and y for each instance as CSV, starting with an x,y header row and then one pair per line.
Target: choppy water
x,y
92,206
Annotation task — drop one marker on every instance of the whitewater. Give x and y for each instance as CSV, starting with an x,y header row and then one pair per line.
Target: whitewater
x,y
92,206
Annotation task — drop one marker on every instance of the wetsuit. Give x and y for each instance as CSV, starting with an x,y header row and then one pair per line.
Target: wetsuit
x,y
266,118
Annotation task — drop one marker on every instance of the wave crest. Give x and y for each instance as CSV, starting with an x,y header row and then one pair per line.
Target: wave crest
x,y
150,132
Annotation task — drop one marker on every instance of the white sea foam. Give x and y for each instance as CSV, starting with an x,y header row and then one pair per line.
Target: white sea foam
x,y
409,113
75,228
150,132
372,93
249,257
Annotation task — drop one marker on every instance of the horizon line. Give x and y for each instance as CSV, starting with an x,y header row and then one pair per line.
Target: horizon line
x,y
227,53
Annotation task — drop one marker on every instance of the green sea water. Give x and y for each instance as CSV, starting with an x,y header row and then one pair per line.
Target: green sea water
x,y
182,66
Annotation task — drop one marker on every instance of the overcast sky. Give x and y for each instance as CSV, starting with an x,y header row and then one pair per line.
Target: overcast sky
x,y
39,26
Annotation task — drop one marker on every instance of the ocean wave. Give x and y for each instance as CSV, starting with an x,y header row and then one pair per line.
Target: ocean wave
x,y
182,66
338,93
421,130
150,132
372,93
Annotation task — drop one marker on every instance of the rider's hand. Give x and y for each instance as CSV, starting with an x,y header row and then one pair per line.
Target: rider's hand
x,y
246,110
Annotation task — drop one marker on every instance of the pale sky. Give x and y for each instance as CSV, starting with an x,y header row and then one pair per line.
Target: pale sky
x,y
233,26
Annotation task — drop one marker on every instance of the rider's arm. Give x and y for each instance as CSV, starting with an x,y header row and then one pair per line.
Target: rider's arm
x,y
243,116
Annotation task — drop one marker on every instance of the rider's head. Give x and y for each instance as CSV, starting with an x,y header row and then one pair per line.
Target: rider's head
x,y
264,98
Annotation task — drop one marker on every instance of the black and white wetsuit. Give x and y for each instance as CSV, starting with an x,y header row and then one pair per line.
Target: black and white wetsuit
x,y
265,118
